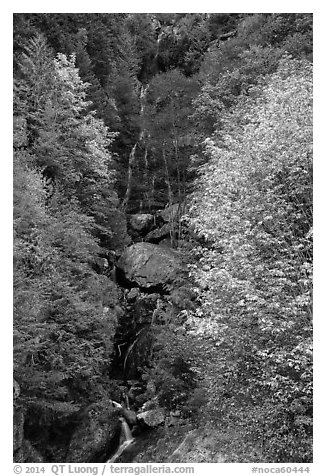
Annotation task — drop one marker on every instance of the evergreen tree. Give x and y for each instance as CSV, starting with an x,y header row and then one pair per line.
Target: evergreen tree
x,y
64,311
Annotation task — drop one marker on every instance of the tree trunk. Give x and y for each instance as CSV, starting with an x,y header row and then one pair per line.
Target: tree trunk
x,y
175,143
167,177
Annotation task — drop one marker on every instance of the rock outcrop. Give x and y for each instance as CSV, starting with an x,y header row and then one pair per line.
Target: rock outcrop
x,y
171,213
148,266
23,450
141,309
159,234
154,228
152,418
99,426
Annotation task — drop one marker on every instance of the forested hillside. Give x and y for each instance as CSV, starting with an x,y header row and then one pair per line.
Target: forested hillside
x,y
162,237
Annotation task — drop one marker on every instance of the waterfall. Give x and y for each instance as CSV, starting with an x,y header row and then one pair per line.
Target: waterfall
x,y
158,41
128,353
141,137
127,401
132,157
125,430
126,439
143,92
133,151
116,404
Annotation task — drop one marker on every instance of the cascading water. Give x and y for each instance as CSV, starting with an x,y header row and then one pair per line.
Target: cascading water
x,y
126,430
132,155
143,92
126,439
158,41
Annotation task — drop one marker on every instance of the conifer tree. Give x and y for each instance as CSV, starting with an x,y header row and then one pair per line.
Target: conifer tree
x,y
64,311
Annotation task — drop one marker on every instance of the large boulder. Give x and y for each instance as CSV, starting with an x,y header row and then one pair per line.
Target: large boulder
x,y
148,265
157,235
99,426
167,225
171,213
152,418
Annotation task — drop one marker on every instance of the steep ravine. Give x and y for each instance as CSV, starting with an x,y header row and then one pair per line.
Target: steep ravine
x,y
149,276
